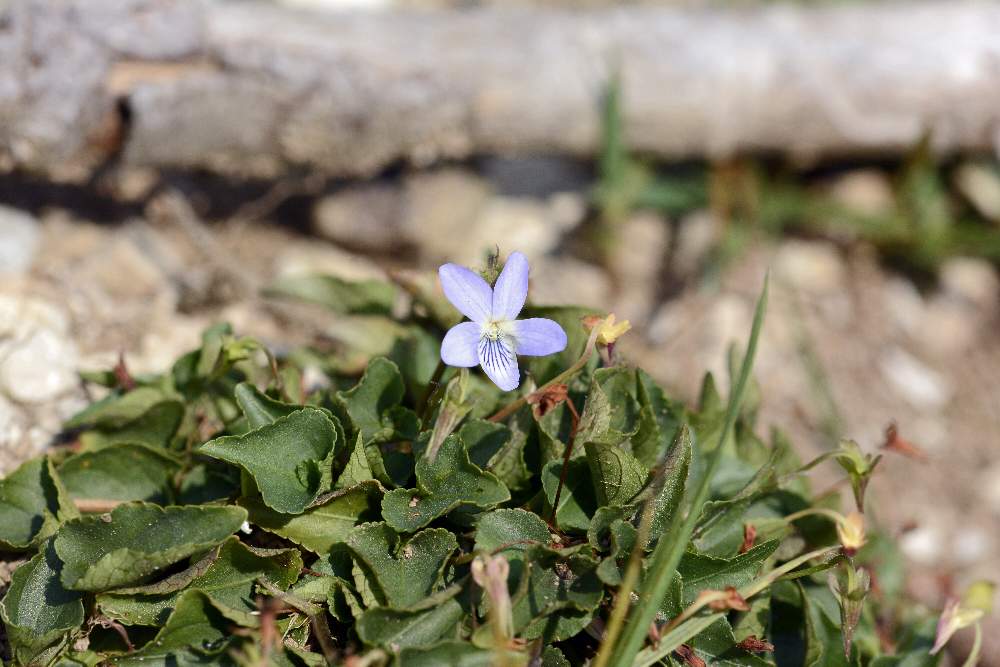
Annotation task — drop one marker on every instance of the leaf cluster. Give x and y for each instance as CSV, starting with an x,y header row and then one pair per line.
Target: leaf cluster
x,y
234,511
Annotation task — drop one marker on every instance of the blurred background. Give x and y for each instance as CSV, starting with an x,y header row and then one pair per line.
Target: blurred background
x,y
163,163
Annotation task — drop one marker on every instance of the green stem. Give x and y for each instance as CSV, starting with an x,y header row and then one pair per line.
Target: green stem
x,y
672,544
511,407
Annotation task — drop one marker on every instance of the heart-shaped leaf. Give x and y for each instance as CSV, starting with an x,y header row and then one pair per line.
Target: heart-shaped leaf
x,y
37,611
137,539
405,572
443,484
291,481
510,533
374,404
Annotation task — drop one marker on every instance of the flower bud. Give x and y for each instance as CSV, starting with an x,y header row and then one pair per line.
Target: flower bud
x,y
851,532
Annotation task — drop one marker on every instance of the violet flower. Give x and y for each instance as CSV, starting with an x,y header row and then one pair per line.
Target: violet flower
x,y
494,337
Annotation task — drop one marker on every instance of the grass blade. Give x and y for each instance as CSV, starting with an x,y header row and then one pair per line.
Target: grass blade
x,y
671,545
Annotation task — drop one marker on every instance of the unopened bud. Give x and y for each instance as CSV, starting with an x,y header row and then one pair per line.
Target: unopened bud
x,y
851,532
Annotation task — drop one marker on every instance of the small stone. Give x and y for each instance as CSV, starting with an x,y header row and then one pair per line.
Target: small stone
x,y
127,274
864,191
39,368
19,234
971,280
696,236
20,315
923,545
948,326
562,280
913,381
971,545
990,485
367,217
902,301
638,257
535,175
980,184
310,258
811,266
505,223
440,209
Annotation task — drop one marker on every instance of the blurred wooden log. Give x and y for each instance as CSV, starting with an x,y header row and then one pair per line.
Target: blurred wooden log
x,y
256,90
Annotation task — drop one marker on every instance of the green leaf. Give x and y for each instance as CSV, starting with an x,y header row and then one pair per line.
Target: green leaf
x,y
197,632
824,642
576,501
617,475
117,410
358,468
229,578
339,295
37,611
455,654
120,472
508,464
622,536
327,523
137,539
259,408
611,414
394,628
561,592
543,369
720,527
32,504
291,481
701,572
443,484
510,533
155,427
483,440
659,421
372,404
675,478
716,645
405,572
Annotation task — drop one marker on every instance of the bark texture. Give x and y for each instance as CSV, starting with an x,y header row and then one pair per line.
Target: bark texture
x,y
256,90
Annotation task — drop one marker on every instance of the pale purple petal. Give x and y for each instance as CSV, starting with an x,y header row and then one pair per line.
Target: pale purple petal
x,y
496,356
467,291
537,337
511,288
460,345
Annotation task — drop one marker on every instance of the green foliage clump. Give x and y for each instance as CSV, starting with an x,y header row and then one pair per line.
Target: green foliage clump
x,y
240,509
